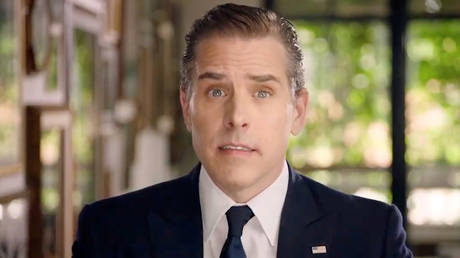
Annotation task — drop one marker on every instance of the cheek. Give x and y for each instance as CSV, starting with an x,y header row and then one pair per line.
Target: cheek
x,y
276,125
205,121
281,117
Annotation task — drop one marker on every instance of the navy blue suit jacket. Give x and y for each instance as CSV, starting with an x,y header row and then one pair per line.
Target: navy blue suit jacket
x,y
164,220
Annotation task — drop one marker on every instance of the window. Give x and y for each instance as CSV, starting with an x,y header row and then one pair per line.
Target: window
x,y
10,118
433,128
348,131
348,141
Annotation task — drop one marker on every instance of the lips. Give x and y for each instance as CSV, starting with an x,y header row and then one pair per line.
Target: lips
x,y
236,147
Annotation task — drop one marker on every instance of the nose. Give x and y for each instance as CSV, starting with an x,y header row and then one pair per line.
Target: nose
x,y
236,113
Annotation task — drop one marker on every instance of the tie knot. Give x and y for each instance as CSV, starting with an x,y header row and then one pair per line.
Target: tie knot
x,y
237,217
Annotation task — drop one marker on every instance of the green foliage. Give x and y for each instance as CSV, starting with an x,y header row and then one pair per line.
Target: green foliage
x,y
9,88
82,102
348,76
433,95
53,67
347,71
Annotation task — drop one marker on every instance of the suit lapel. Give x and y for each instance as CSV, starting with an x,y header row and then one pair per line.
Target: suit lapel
x,y
305,224
177,231
176,226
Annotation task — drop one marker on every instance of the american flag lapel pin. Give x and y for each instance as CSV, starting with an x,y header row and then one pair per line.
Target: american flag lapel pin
x,y
320,249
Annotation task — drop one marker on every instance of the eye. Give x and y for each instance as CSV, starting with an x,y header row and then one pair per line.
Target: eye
x,y
262,94
216,93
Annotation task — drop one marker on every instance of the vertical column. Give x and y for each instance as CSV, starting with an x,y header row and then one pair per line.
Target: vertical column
x,y
398,21
33,181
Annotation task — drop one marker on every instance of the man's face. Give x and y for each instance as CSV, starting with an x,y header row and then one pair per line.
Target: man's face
x,y
241,112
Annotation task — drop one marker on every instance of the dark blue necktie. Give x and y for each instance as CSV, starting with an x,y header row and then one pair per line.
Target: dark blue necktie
x,y
237,217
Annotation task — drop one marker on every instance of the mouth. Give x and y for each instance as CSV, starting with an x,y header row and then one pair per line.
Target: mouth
x,y
233,148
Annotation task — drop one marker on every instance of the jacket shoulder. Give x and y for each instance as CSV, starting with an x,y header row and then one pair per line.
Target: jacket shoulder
x,y
121,222
136,203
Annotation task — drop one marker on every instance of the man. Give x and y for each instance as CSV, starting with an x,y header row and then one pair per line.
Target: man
x,y
242,95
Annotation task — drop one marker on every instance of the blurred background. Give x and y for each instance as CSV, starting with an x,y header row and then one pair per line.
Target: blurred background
x,y
89,109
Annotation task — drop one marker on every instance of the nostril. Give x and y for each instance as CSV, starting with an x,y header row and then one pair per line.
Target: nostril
x,y
232,124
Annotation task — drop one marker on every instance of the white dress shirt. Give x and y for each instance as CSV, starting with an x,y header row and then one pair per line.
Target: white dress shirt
x,y
260,234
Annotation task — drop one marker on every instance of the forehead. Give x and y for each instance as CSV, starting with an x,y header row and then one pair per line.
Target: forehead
x,y
249,54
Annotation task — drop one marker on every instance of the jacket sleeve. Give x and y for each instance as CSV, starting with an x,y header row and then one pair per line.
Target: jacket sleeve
x,y
395,239
83,244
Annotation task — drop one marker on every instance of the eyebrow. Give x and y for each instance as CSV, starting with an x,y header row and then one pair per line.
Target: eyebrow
x,y
263,78
257,78
211,75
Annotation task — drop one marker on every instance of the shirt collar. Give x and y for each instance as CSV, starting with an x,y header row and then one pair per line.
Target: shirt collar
x,y
267,205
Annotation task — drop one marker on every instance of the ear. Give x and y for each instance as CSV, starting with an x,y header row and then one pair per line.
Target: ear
x,y
185,104
300,111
